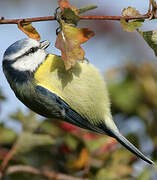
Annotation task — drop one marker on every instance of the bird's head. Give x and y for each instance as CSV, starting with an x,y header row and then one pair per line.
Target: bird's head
x,y
25,55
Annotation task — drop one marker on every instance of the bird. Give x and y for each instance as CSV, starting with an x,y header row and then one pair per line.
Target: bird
x,y
78,96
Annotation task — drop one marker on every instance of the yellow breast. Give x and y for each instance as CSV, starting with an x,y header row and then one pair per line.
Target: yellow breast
x,y
82,87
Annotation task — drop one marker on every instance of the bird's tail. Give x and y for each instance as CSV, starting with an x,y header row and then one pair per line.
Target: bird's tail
x,y
122,140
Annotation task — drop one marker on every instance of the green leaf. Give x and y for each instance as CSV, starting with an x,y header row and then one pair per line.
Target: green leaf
x,y
70,16
27,141
126,95
151,38
71,141
86,8
130,26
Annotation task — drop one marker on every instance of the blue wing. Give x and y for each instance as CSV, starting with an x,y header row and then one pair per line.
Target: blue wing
x,y
66,113
50,99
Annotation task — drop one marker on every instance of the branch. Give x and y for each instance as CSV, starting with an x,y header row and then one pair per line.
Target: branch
x,y
35,171
26,20
51,18
116,18
7,158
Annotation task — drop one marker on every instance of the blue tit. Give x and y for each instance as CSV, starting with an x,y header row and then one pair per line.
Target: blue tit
x,y
78,96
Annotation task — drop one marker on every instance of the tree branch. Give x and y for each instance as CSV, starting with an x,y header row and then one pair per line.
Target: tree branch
x,y
26,20
7,158
116,18
35,171
51,18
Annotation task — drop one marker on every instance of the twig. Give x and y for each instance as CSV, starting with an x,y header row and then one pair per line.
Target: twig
x,y
149,8
116,18
51,18
22,168
26,20
8,157
3,152
59,176
46,173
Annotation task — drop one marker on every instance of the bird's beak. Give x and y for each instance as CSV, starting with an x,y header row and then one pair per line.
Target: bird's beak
x,y
44,44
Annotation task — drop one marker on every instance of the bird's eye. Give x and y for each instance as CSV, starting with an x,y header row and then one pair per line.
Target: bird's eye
x,y
32,50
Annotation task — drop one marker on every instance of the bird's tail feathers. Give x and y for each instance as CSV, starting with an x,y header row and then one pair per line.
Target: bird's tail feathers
x,y
122,140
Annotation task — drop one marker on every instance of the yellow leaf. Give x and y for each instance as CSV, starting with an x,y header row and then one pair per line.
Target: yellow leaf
x,y
29,30
130,26
83,159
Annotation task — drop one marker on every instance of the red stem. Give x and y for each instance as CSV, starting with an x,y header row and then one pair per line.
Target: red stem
x,y
51,18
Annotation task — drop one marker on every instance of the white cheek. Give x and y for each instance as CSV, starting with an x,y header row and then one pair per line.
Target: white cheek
x,y
31,62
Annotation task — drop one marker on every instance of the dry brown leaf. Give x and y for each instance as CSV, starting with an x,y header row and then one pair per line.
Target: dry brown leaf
x,y
63,4
130,11
69,41
29,30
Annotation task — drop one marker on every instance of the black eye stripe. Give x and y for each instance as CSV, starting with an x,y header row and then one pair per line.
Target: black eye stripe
x,y
31,50
28,52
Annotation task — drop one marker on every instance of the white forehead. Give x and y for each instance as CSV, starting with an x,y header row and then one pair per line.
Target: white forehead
x,y
19,48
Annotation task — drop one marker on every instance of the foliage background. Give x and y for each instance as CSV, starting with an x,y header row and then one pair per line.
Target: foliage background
x,y
131,77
